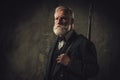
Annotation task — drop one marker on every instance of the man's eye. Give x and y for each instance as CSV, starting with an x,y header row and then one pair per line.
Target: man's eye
x,y
56,18
64,18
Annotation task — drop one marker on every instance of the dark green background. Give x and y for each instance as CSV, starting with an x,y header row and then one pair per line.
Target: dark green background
x,y
26,35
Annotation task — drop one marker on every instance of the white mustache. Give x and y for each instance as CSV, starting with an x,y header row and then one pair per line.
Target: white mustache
x,y
60,26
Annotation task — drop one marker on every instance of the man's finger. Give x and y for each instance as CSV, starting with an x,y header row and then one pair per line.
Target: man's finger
x,y
58,59
61,55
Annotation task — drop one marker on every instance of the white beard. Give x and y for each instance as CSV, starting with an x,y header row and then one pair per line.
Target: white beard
x,y
60,30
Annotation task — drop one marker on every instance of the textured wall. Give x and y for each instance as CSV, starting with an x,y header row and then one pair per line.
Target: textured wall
x,y
26,35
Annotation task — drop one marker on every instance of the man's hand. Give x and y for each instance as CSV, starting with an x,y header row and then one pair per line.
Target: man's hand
x,y
63,59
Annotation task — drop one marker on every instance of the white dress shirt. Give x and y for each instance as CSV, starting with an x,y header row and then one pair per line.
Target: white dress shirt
x,y
60,44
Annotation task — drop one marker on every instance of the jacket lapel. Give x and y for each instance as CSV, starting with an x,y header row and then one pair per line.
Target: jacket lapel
x,y
58,66
63,50
50,56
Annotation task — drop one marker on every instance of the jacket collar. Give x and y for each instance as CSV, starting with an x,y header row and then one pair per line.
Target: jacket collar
x,y
67,37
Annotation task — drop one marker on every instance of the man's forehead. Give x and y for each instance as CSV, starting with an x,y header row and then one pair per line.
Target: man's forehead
x,y
61,13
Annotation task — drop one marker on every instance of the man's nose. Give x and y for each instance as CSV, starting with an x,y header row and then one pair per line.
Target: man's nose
x,y
59,21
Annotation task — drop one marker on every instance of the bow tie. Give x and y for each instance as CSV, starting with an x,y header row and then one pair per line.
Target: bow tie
x,y
61,39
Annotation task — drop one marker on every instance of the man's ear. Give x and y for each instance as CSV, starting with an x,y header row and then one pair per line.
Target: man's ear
x,y
71,24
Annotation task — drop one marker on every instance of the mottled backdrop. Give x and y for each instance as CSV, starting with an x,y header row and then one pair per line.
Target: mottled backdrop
x,y
26,35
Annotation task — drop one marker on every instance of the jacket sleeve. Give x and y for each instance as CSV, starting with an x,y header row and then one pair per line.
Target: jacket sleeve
x,y
84,60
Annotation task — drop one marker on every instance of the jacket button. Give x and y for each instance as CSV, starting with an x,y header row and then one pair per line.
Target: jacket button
x,y
61,75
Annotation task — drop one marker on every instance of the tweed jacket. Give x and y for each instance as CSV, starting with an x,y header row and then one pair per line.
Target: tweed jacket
x,y
83,59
